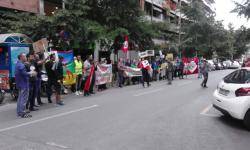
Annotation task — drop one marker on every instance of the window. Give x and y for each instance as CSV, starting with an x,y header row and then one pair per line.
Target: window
x,y
238,77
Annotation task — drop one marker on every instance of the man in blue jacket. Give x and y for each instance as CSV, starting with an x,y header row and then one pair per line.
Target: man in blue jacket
x,y
22,84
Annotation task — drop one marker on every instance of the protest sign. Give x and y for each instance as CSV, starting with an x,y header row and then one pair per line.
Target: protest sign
x,y
170,57
41,45
103,74
143,54
150,52
132,72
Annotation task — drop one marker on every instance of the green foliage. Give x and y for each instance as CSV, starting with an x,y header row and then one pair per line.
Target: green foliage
x,y
207,36
243,9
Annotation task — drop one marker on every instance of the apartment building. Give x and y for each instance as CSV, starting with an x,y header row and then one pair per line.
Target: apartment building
x,y
46,7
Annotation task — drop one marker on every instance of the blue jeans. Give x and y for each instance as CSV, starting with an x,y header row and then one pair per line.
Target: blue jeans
x,y
23,95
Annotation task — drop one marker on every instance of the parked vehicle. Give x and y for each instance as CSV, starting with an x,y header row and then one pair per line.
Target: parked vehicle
x,y
234,65
232,96
218,66
211,65
11,45
226,64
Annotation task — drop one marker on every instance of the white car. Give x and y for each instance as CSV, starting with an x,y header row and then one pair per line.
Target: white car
x,y
232,96
235,65
211,65
227,64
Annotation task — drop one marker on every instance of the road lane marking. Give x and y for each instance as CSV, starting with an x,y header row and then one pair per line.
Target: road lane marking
x,y
57,145
206,110
148,92
47,118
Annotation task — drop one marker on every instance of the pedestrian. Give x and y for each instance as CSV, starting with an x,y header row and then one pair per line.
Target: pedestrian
x,y
155,70
199,69
39,65
181,69
55,74
90,69
78,70
145,68
22,84
170,70
204,71
31,67
120,67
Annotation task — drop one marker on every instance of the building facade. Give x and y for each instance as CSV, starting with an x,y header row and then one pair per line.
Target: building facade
x,y
46,7
21,5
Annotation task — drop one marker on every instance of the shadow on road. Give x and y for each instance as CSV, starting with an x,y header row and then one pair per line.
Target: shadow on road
x,y
232,123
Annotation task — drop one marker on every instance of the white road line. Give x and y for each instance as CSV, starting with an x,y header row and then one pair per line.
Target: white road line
x,y
47,118
204,111
148,92
211,115
57,145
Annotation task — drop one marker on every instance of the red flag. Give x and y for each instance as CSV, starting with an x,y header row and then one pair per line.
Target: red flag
x,y
125,45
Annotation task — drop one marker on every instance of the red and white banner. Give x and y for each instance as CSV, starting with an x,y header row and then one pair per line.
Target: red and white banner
x,y
103,74
191,65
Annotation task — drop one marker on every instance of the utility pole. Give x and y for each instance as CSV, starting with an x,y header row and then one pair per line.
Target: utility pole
x,y
152,10
179,24
63,4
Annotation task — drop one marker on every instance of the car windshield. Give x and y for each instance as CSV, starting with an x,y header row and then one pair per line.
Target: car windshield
x,y
238,77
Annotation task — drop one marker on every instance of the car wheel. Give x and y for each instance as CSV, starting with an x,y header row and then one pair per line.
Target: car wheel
x,y
247,120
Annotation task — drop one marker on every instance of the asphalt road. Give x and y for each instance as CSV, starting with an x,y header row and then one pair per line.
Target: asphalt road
x,y
161,117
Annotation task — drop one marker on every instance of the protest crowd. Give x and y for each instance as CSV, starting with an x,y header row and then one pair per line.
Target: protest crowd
x,y
85,77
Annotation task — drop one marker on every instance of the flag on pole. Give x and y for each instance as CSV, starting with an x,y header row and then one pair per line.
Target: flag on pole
x,y
125,44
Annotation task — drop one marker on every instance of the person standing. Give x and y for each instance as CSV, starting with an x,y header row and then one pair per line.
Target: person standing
x,y
170,70
39,66
22,84
87,71
120,67
78,71
145,67
181,70
199,69
204,71
89,80
31,67
55,74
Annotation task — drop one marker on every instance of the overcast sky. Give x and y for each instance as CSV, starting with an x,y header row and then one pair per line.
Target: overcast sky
x,y
223,8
